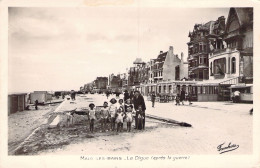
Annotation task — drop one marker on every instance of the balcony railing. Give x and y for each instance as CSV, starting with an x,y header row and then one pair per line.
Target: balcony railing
x,y
224,50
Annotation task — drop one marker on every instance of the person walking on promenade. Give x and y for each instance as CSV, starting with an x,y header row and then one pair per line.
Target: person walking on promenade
x,y
177,99
112,112
107,94
126,95
138,100
104,116
91,116
153,96
182,98
189,98
36,104
73,95
236,96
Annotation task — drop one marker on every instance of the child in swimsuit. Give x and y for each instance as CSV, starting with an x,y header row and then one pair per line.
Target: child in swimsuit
x,y
104,116
91,116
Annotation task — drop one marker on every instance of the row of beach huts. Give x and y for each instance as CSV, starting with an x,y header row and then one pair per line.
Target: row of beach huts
x,y
22,101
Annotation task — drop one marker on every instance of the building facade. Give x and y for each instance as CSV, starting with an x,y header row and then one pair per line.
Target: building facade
x,y
174,68
199,47
101,83
232,54
230,58
157,67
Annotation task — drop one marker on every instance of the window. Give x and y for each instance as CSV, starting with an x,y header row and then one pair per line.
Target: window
x,y
199,89
205,60
216,90
220,66
233,66
204,89
200,60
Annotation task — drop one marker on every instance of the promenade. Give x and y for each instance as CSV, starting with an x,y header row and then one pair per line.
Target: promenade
x,y
211,126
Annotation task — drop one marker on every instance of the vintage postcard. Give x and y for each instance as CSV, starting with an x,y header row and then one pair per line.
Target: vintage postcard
x,y
129,83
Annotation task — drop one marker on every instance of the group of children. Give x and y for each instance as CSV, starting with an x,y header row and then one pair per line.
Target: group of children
x,y
115,114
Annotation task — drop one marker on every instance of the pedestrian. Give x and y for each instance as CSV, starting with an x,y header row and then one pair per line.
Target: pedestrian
x,y
36,104
126,95
139,118
137,101
73,95
117,94
119,119
104,113
153,96
112,113
177,99
107,94
129,117
91,116
182,98
236,96
189,98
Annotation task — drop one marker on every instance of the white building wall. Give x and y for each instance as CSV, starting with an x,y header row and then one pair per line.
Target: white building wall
x,y
226,55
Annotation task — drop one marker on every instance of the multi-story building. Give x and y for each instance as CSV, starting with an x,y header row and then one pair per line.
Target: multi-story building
x,y
231,53
174,68
101,82
115,82
157,67
230,57
150,71
198,47
164,72
136,73
88,87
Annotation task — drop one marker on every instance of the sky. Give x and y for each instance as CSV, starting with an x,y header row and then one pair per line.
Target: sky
x,y
64,48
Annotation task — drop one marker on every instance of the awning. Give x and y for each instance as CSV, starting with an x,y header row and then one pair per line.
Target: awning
x,y
239,86
213,82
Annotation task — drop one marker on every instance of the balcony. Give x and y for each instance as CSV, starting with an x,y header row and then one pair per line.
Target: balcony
x,y
223,51
199,53
219,76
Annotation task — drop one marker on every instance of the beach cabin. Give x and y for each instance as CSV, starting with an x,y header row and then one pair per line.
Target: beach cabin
x,y
41,96
16,102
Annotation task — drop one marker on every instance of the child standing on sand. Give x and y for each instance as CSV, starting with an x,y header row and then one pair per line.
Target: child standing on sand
x,y
120,104
104,116
129,117
112,113
91,116
119,119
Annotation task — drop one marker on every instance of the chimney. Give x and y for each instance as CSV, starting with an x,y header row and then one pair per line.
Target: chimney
x,y
182,56
161,52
